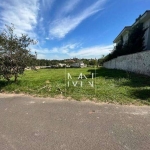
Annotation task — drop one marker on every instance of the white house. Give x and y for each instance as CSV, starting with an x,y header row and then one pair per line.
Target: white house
x,y
124,33
78,65
145,19
61,65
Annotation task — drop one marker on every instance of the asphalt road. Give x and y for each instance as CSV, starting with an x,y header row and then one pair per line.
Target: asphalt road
x,y
28,123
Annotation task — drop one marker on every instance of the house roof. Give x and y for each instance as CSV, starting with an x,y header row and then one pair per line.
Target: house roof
x,y
141,18
125,29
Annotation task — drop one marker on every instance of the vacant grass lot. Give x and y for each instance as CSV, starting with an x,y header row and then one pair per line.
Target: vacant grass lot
x,y
113,86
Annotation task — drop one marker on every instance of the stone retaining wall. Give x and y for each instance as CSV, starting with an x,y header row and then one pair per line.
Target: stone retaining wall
x,y
138,63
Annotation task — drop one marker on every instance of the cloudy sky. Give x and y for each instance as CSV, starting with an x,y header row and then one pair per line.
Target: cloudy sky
x,y
71,28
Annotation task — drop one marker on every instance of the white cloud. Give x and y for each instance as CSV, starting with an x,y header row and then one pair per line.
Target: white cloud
x,y
63,25
70,46
47,4
23,14
41,56
69,6
65,49
44,50
74,50
41,19
92,51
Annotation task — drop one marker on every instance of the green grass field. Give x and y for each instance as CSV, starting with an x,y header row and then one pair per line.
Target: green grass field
x,y
113,86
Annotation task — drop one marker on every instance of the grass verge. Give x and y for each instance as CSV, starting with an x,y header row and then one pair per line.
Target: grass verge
x,y
112,86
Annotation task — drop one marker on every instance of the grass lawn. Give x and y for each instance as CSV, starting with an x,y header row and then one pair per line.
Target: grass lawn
x,y
112,86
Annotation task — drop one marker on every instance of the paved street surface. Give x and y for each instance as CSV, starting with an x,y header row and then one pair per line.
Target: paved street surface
x,y
28,123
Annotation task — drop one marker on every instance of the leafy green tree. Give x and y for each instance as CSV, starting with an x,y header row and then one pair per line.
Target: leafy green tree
x,y
134,44
135,41
92,62
118,48
14,53
85,61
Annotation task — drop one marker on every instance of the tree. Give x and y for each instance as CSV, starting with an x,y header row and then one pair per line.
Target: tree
x,y
14,53
135,41
134,44
118,48
92,62
85,61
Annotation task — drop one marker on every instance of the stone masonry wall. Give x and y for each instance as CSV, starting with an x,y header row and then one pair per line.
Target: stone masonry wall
x,y
138,63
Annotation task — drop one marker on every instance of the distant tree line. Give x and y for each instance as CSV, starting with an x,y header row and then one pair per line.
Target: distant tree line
x,y
46,62
134,44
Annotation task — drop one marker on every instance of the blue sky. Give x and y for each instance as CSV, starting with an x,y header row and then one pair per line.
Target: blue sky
x,y
71,28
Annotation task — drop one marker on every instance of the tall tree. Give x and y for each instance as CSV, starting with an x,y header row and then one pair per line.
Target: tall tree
x,y
135,41
134,44
14,53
